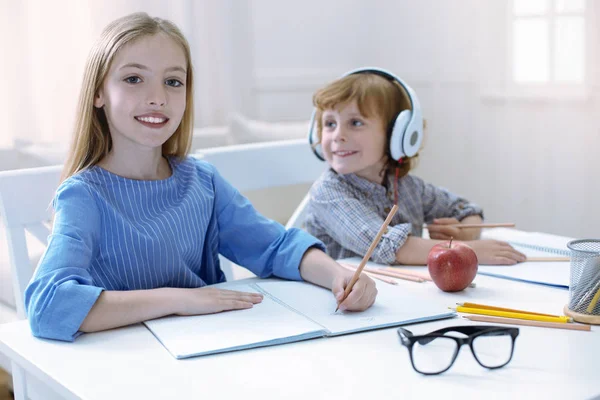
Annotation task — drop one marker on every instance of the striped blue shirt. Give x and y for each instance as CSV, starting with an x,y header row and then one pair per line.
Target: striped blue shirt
x,y
347,211
115,233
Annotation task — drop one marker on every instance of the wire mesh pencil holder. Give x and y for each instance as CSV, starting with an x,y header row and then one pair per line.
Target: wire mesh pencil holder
x,y
584,285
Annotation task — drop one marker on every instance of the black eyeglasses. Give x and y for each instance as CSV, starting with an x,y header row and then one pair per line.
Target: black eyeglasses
x,y
435,352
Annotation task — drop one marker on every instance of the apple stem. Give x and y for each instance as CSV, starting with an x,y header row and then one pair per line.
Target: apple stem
x,y
450,245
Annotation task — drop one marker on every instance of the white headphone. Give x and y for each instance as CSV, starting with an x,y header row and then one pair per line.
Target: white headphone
x,y
407,131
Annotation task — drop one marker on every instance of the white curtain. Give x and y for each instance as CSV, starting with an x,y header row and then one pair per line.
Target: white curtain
x,y
44,45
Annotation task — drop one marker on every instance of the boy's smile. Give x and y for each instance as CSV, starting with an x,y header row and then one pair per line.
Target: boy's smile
x,y
344,153
353,143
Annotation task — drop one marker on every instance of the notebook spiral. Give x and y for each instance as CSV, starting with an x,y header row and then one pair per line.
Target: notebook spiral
x,y
560,252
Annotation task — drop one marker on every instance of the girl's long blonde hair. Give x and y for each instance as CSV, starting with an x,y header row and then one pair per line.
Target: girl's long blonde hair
x,y
91,138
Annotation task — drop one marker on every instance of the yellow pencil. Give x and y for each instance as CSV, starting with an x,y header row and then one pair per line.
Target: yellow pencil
x,y
495,313
594,302
513,310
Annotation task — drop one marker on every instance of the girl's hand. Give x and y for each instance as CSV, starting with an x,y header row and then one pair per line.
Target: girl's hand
x,y
440,229
361,297
207,300
495,252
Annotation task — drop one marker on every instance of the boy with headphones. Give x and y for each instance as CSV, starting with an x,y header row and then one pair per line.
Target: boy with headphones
x,y
368,126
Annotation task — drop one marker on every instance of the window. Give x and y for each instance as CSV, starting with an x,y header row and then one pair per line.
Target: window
x,y
548,42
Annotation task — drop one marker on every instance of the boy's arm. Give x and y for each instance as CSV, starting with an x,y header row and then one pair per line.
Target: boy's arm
x,y
440,203
442,228
415,251
442,208
489,252
471,233
354,226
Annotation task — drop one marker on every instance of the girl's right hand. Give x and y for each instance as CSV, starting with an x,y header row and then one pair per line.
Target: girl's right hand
x,y
495,252
208,300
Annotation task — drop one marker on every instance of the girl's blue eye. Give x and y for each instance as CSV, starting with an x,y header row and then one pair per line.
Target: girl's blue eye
x,y
329,124
133,79
356,122
174,82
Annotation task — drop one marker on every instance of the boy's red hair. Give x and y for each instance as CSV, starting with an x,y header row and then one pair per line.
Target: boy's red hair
x,y
375,96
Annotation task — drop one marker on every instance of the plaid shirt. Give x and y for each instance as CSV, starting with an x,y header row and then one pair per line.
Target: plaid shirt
x,y
347,211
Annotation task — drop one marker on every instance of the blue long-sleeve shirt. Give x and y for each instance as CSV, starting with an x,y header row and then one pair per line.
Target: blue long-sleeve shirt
x,y
114,233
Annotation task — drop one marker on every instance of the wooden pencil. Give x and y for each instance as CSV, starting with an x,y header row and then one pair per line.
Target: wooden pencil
x,y
482,225
367,255
421,275
374,276
392,274
384,272
548,259
512,321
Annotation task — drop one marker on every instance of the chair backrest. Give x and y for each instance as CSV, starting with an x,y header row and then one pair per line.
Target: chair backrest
x,y
265,165
297,218
25,206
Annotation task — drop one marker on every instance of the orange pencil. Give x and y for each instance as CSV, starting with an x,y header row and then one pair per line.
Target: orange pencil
x,y
372,275
398,275
513,321
482,225
420,275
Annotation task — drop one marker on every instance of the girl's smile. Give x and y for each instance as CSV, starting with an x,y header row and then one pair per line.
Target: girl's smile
x,y
152,120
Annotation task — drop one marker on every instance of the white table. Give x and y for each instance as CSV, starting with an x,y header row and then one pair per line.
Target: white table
x,y
130,363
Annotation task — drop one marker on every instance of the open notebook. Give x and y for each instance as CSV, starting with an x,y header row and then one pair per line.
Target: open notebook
x,y
532,244
290,312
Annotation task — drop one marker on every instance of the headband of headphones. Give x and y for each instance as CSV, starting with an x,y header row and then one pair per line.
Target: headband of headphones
x,y
407,130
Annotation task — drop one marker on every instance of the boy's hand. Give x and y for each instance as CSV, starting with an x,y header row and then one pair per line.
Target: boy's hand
x,y
496,252
440,229
207,300
361,297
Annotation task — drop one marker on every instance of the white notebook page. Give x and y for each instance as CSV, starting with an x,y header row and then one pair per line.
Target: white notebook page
x,y
394,306
202,334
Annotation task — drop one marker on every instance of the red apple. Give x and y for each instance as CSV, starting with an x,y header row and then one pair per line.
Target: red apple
x,y
452,266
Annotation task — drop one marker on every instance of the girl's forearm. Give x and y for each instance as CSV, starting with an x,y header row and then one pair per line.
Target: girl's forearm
x,y
318,268
114,309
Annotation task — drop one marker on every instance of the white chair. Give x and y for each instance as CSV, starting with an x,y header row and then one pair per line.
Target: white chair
x,y
265,165
297,218
25,209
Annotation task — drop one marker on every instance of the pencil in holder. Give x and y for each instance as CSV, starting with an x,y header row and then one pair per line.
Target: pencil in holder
x,y
584,283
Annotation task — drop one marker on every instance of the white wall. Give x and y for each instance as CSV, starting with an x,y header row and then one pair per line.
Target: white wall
x,y
530,161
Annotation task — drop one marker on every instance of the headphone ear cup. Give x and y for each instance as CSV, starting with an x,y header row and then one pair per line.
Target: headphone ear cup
x,y
413,136
313,137
398,132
